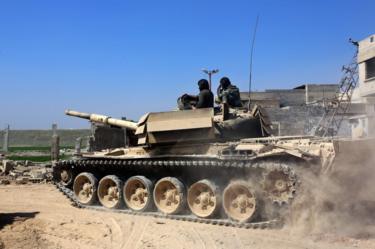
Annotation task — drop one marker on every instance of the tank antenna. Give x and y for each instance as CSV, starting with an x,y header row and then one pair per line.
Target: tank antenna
x,y
251,58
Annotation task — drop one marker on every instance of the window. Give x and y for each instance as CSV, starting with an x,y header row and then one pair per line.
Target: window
x,y
370,68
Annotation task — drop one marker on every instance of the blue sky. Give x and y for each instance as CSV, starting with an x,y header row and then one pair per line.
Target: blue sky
x,y
125,58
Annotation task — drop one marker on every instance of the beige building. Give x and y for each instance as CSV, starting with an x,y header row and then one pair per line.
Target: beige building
x,y
366,67
364,125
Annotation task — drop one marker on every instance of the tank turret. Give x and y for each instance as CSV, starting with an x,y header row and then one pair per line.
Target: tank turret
x,y
187,125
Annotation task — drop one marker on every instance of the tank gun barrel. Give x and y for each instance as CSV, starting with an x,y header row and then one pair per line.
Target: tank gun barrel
x,y
103,119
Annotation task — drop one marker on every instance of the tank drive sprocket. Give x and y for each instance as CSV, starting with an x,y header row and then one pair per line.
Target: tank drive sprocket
x,y
279,182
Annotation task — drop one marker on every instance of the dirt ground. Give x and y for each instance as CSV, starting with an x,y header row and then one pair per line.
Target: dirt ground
x,y
38,216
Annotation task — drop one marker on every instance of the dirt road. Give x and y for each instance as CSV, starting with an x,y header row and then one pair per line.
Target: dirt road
x,y
38,216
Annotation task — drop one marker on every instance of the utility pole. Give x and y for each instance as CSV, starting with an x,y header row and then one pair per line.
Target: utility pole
x,y
78,146
6,139
55,146
210,73
330,123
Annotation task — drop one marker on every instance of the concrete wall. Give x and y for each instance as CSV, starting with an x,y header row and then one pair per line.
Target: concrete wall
x,y
295,120
43,137
105,137
292,97
283,97
301,120
320,92
288,108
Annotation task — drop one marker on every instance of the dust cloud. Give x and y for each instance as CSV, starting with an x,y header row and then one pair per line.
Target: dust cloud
x,y
341,202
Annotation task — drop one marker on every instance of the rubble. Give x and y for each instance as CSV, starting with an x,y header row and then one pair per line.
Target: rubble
x,y
4,182
23,172
6,166
21,180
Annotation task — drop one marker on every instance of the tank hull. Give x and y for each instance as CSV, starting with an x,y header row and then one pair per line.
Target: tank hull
x,y
248,182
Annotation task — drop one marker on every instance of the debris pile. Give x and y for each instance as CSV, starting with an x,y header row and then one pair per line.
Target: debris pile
x,y
23,172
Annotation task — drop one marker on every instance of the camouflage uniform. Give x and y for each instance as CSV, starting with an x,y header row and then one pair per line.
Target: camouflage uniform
x,y
228,93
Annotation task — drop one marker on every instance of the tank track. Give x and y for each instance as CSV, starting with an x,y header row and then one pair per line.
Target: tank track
x,y
254,225
122,164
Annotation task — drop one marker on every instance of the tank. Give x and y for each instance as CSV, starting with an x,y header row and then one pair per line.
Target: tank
x,y
204,165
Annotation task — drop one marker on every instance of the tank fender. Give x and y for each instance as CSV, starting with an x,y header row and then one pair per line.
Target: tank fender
x,y
324,152
273,149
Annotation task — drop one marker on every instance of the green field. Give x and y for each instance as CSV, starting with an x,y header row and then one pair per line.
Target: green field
x,y
34,158
35,148
30,158
35,145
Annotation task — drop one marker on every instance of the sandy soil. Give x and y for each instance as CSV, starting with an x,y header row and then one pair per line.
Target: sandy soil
x,y
38,216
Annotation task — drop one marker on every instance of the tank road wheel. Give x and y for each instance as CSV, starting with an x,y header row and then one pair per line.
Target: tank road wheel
x,y
279,185
109,191
169,195
84,188
239,201
203,198
138,193
66,177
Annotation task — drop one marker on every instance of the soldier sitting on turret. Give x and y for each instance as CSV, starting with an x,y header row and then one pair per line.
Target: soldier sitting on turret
x,y
228,93
205,99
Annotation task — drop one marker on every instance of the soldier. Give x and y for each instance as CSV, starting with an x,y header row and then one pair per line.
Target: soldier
x,y
205,99
228,93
